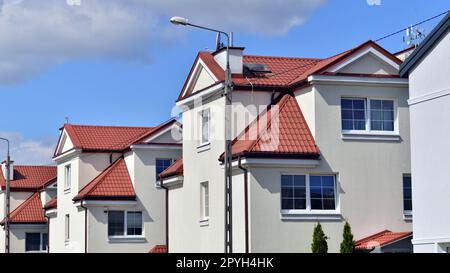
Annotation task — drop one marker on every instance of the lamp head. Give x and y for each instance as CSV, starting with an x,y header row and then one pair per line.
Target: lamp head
x,y
179,21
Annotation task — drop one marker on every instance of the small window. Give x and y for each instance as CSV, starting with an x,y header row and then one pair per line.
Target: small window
x,y
161,165
293,192
125,223
67,177
322,190
381,115
353,113
205,125
36,242
407,193
67,227
204,193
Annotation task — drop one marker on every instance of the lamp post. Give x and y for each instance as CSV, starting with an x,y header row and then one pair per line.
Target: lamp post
x,y
7,195
227,156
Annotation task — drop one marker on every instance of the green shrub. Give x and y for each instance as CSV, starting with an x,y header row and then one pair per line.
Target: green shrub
x,y
319,243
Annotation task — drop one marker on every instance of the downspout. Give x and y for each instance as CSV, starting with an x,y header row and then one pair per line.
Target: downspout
x,y
245,204
167,214
48,231
85,226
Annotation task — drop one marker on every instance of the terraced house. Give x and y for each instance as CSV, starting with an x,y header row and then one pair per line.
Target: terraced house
x,y
109,198
31,187
316,140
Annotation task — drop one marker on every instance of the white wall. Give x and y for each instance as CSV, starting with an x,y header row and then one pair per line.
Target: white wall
x,y
18,235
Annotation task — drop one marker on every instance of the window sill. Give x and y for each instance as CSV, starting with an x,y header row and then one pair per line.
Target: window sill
x,y
127,239
66,191
327,216
36,251
204,147
204,222
371,136
407,216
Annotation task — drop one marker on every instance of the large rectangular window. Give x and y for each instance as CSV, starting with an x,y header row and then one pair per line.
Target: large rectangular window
x,y
205,125
36,242
124,223
407,193
161,165
67,177
204,193
366,114
308,192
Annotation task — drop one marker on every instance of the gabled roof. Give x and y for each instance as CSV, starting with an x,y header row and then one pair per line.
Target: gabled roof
x,y
114,183
30,177
286,72
428,44
29,212
52,204
279,131
176,169
107,138
381,239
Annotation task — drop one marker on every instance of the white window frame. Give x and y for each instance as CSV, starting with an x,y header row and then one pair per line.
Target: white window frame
x,y
204,201
41,246
67,227
308,210
67,177
125,226
368,130
208,141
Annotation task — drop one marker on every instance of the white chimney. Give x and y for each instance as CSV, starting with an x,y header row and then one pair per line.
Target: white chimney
x,y
11,170
236,63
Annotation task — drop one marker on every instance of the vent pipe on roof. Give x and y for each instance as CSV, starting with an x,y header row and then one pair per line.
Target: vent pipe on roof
x,y
11,170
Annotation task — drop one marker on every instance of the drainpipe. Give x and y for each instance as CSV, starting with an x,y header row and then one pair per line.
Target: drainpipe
x,y
48,231
245,204
167,214
85,226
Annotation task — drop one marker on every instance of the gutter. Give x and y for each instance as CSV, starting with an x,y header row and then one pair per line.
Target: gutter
x,y
245,205
167,214
85,226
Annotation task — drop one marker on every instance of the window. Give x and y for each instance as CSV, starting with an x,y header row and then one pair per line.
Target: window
x,y
205,118
67,227
161,165
36,241
361,114
124,223
308,192
204,193
67,177
407,193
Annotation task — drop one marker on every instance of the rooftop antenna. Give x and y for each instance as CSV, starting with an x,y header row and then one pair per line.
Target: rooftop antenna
x,y
414,36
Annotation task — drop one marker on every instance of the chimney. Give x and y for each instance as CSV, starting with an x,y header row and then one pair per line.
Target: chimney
x,y
11,170
236,62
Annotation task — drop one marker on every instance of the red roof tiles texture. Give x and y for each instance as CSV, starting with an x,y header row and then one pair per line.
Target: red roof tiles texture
x,y
158,249
173,170
52,204
30,177
381,239
30,211
281,129
113,183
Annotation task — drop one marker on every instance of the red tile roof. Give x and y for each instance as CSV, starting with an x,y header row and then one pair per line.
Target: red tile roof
x,y
113,183
52,204
175,169
285,71
381,239
158,249
109,138
30,211
30,177
280,130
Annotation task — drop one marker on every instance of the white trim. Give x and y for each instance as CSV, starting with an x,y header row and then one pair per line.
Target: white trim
x,y
125,236
173,181
349,80
196,73
127,239
69,154
312,216
112,203
429,96
370,136
205,93
204,147
362,54
204,222
431,240
206,110
156,147
269,162
168,129
51,212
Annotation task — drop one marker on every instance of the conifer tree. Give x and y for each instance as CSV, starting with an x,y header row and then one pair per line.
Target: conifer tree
x,y
319,243
347,244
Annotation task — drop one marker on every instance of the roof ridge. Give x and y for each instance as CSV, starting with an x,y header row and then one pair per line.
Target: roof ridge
x,y
112,126
282,57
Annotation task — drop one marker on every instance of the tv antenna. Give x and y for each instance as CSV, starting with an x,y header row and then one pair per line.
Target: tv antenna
x,y
414,36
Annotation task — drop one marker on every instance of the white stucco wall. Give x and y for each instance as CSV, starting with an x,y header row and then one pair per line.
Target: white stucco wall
x,y
18,235
430,90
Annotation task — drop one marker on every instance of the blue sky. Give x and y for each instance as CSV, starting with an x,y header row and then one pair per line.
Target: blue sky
x,y
137,81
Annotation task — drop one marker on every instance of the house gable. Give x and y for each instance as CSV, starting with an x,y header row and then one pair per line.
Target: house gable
x,y
65,143
200,77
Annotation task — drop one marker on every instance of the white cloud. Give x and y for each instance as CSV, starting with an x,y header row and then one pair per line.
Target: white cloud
x,y
26,151
36,35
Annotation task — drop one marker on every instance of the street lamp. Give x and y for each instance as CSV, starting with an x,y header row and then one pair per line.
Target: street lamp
x,y
7,193
227,156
